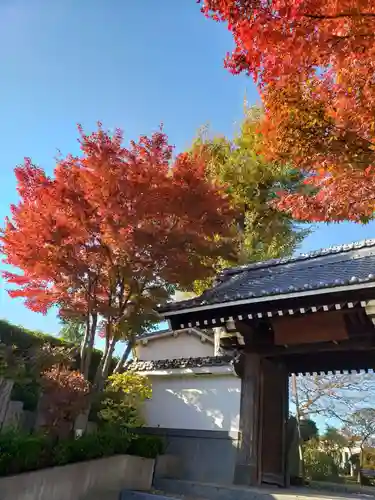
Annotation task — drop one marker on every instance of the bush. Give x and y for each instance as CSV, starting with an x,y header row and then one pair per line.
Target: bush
x,y
27,393
104,443
146,446
319,465
20,452
64,397
123,398
25,340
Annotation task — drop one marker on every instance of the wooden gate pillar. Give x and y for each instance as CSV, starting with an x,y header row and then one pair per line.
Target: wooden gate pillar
x,y
247,468
274,421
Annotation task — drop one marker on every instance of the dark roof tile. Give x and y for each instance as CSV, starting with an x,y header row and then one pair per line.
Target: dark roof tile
x,y
349,264
170,364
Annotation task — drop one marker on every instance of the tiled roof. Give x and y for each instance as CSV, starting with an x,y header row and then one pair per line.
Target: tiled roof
x,y
344,265
206,333
170,364
154,333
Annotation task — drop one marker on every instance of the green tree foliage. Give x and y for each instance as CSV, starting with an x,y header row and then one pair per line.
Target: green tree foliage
x,y
72,330
332,443
309,430
319,465
124,395
261,232
27,341
333,439
12,364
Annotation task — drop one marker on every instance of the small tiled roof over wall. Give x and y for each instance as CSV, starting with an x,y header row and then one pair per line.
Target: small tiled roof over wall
x,y
170,364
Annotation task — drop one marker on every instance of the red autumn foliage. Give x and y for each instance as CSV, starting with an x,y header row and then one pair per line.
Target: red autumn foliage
x,y
112,207
314,64
113,227
301,128
64,397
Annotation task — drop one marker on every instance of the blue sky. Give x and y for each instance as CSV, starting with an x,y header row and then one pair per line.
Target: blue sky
x,y
130,64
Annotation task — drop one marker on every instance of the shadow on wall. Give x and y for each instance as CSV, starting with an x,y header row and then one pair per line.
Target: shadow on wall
x,y
199,421
193,403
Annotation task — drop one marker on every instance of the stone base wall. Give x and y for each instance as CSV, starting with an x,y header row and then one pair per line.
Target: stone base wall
x,y
92,480
207,456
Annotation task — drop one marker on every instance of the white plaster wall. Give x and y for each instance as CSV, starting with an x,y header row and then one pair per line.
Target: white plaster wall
x,y
201,402
182,346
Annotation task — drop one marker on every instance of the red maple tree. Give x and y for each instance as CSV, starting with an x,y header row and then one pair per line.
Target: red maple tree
x,y
107,235
313,61
65,395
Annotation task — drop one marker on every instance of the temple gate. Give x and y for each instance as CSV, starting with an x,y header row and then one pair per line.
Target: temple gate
x,y
309,314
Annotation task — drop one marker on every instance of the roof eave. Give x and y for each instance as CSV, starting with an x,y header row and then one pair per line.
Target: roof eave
x,y
270,298
225,369
174,333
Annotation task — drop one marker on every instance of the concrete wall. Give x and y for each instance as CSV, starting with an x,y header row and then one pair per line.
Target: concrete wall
x,y
204,456
94,480
198,416
183,346
14,415
6,386
200,402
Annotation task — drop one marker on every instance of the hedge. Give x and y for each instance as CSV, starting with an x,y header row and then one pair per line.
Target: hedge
x,y
25,339
21,452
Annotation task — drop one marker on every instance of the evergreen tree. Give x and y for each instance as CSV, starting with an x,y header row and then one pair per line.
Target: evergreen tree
x,y
261,232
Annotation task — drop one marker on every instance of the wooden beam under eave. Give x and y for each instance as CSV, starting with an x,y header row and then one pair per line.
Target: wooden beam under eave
x,y
310,329
330,361
256,333
348,345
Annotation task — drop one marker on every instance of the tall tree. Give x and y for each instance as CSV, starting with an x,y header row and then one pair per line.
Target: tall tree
x,y
333,442
361,425
309,429
260,231
107,236
313,61
334,396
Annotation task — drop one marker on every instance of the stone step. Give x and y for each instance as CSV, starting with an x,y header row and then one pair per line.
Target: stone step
x,y
141,495
190,489
155,495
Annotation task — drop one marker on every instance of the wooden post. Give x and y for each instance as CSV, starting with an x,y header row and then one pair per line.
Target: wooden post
x,y
247,463
298,420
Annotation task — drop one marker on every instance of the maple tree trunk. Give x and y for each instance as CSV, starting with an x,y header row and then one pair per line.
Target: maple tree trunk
x,y
84,343
87,345
104,365
124,357
108,359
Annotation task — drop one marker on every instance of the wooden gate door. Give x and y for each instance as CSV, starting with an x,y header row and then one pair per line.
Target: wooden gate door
x,y
273,420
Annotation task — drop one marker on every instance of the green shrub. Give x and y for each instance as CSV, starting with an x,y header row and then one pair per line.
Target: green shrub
x,y
146,446
27,393
123,398
104,443
25,340
319,465
20,452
